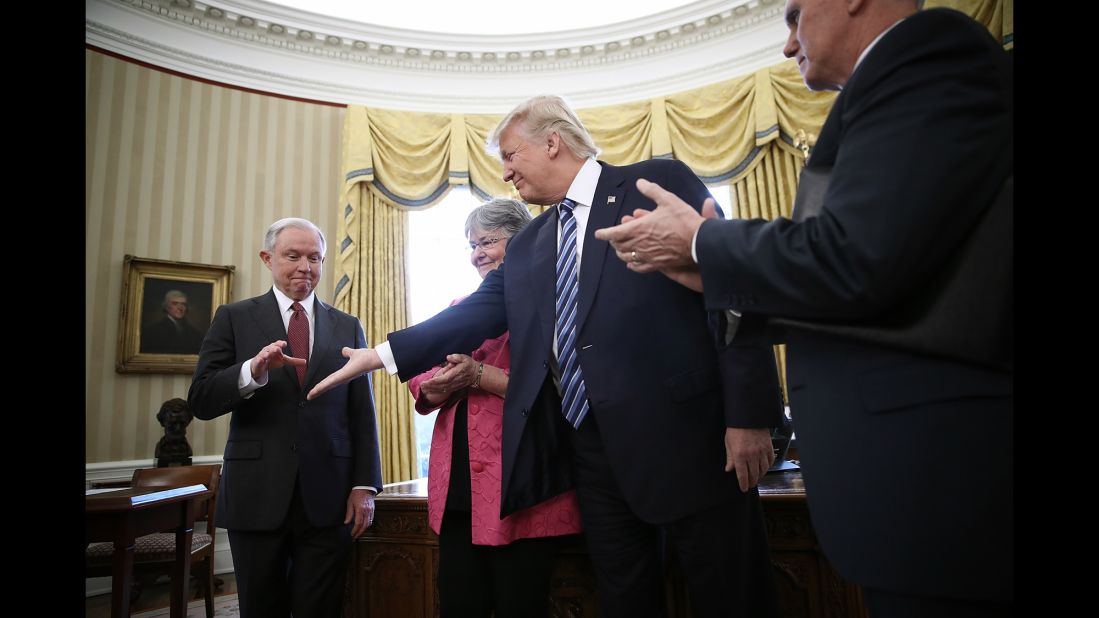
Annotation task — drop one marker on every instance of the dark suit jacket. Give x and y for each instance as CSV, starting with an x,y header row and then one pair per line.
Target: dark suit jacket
x,y
918,144
660,389
276,435
163,337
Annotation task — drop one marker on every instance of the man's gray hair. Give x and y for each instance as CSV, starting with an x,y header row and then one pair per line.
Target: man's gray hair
x,y
302,224
542,115
499,213
169,296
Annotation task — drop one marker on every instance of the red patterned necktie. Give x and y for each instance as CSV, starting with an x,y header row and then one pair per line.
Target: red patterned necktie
x,y
298,334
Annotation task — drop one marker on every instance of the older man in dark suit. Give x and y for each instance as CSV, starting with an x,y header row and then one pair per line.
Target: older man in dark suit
x,y
299,476
619,384
892,287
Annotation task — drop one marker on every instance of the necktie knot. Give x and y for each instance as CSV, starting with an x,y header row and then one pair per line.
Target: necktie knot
x,y
297,307
566,206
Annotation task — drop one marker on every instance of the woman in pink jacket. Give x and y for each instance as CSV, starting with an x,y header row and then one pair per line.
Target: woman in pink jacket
x,y
487,565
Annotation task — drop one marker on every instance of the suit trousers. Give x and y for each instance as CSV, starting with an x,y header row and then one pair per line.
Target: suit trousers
x,y
504,581
297,568
722,550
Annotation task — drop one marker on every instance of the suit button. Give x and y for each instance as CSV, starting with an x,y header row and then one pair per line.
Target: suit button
x,y
477,467
301,404
524,412
293,447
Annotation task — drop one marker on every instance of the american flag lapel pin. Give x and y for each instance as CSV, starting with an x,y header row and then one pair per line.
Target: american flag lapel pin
x,y
610,199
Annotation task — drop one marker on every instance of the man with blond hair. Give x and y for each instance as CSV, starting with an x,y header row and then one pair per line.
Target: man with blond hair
x,y
620,385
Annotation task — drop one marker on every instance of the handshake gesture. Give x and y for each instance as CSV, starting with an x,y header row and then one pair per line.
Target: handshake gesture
x,y
360,361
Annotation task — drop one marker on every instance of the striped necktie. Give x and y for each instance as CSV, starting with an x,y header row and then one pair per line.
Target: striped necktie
x,y
574,398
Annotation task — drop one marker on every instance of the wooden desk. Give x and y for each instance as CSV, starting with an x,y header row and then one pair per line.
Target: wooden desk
x,y
123,515
393,565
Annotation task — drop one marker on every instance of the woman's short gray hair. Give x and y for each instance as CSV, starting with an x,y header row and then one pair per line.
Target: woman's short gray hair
x,y
302,224
540,116
499,213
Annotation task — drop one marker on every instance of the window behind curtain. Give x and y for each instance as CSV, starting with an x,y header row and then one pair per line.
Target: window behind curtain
x,y
439,271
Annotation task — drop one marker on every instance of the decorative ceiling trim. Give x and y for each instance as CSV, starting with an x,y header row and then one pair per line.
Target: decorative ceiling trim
x,y
328,59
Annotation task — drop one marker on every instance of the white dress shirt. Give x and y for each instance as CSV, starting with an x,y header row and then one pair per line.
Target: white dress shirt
x,y
245,383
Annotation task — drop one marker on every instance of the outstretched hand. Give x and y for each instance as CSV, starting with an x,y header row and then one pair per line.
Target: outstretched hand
x,y
360,361
270,358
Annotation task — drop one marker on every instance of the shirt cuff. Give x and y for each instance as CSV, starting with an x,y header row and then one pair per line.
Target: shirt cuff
x,y
386,355
373,489
694,241
732,321
245,384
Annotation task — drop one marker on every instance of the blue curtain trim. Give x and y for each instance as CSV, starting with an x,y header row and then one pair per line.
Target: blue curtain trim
x,y
733,172
481,195
410,202
353,174
344,280
769,130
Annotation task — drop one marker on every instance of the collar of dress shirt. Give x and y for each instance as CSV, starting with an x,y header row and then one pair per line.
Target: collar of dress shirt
x,y
582,189
285,302
873,43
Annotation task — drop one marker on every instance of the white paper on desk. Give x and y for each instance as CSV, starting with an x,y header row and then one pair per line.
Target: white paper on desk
x,y
92,492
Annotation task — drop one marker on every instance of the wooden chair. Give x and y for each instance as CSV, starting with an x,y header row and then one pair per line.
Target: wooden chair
x,y
155,553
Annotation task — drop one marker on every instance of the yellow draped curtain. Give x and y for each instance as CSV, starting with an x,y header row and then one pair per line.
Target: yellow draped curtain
x,y
997,15
751,132
372,285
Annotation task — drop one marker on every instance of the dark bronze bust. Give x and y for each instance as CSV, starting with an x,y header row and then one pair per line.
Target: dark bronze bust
x,y
173,449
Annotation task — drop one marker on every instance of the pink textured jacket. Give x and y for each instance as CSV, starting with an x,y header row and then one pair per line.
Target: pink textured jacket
x,y
556,516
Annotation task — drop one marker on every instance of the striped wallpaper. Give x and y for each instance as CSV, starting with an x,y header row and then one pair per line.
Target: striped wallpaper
x,y
178,169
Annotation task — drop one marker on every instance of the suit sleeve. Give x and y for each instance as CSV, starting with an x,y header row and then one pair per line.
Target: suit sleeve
x,y
214,389
925,142
751,395
363,426
465,326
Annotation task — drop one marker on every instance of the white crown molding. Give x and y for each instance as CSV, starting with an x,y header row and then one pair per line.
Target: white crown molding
x,y
258,45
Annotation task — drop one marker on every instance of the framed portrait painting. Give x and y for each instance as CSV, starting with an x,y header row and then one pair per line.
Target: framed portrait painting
x,y
166,310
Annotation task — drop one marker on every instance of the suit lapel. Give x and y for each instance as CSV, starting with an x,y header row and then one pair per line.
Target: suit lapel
x,y
605,212
544,277
825,150
323,327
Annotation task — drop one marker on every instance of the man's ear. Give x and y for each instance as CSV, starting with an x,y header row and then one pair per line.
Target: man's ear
x,y
854,6
553,144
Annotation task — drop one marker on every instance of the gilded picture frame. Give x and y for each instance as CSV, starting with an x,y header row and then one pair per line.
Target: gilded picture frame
x,y
166,309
